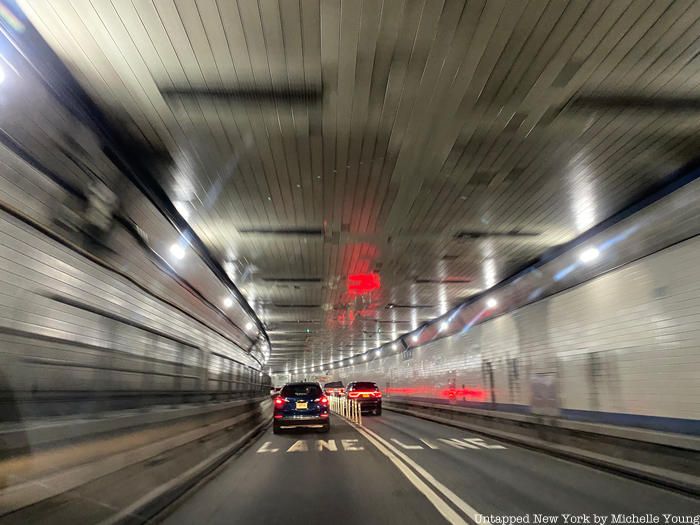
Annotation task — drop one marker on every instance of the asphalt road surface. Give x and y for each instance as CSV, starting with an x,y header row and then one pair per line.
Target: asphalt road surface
x,y
405,470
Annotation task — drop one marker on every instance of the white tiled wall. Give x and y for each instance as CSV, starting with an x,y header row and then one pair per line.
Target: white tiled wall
x,y
625,342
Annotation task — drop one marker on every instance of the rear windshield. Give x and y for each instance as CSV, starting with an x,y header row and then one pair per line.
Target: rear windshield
x,y
334,384
364,385
301,390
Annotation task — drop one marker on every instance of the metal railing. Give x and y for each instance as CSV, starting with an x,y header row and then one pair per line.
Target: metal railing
x,y
346,408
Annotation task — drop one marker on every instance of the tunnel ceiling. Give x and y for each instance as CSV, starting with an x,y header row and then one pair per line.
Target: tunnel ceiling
x,y
361,167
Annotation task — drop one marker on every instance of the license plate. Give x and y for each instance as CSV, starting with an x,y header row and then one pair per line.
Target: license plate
x,y
365,395
302,405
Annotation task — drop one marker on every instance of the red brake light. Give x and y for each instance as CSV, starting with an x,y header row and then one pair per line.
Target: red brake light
x,y
378,394
279,401
353,395
324,401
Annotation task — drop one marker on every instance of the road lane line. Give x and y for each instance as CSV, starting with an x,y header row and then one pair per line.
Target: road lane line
x,y
462,505
440,505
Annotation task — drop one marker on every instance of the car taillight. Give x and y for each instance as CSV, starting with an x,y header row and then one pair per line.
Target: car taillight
x,y
353,395
324,401
377,394
279,402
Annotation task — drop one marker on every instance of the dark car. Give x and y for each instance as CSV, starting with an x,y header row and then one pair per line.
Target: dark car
x,y
301,405
367,394
334,388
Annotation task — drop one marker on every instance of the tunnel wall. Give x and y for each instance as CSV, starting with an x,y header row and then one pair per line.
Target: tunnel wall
x,y
85,329
620,347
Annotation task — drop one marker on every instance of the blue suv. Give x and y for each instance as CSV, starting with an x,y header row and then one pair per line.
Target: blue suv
x,y
301,405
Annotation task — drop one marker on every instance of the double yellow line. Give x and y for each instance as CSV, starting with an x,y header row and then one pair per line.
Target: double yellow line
x,y
426,484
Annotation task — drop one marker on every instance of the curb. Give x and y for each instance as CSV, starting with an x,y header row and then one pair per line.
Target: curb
x,y
155,503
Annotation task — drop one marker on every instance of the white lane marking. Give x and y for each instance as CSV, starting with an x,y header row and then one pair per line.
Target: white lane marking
x,y
429,444
351,444
299,446
482,443
266,448
443,508
456,443
328,445
407,447
467,509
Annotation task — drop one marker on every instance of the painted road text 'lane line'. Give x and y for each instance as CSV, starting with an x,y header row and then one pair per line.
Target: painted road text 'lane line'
x,y
266,448
407,447
352,445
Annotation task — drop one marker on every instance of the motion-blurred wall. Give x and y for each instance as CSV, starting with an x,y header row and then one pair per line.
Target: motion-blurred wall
x,y
93,314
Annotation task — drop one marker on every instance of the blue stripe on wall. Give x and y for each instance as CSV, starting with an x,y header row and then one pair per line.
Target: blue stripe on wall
x,y
662,424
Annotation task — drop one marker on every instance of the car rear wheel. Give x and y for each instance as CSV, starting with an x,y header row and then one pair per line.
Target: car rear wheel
x,y
378,411
276,429
326,428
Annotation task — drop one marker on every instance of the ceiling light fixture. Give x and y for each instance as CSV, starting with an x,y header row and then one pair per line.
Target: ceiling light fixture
x,y
589,255
491,302
444,326
183,208
228,302
415,338
177,251
249,325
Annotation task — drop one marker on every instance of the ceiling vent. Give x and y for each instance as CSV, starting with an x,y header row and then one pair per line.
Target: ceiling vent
x,y
292,279
297,232
391,306
477,234
441,281
294,305
303,321
632,101
292,95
